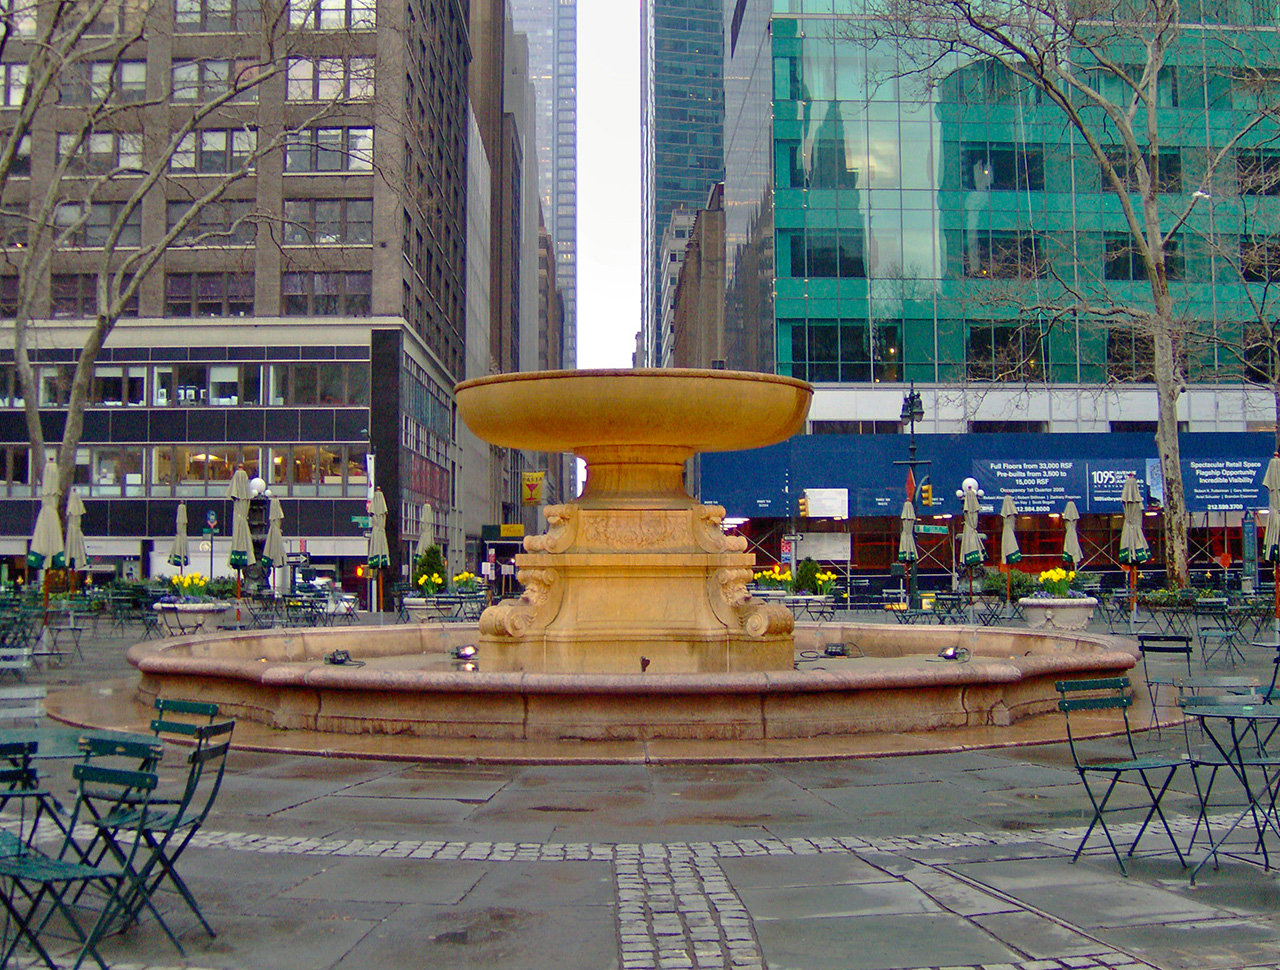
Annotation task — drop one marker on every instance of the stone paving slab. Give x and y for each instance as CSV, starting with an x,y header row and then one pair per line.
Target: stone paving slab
x,y
957,860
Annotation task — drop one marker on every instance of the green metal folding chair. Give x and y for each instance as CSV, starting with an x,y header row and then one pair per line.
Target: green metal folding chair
x,y
172,823
1113,694
36,877
20,783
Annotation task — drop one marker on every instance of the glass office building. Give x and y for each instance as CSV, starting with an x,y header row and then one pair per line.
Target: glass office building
x,y
940,234
959,235
682,121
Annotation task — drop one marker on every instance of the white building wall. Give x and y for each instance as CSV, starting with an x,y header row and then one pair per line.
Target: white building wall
x,y
474,503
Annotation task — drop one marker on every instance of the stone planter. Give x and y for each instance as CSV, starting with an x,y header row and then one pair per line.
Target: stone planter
x,y
191,617
1071,613
425,609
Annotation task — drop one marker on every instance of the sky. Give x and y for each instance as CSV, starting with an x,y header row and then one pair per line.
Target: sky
x,y
608,181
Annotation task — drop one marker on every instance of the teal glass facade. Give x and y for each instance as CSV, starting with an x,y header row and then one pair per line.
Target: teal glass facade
x,y
885,230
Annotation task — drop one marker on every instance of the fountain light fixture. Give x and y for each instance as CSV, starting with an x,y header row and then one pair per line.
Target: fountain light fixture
x,y
958,654
467,652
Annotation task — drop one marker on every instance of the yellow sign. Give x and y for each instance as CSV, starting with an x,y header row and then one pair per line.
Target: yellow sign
x,y
531,487
511,530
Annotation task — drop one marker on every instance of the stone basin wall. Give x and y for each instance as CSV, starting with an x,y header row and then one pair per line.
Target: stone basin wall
x,y
278,677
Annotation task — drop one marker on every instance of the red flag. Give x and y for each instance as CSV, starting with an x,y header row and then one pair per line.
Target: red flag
x,y
911,484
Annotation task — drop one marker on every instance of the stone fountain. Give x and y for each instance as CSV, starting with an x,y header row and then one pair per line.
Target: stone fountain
x,y
635,576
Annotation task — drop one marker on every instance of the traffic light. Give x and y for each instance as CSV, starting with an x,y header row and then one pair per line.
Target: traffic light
x,y
926,494
804,506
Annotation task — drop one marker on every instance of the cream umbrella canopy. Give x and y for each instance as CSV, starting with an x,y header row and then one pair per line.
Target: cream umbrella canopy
x,y
75,554
971,551
46,540
907,551
273,547
241,540
379,549
1009,551
1271,535
178,550
1133,544
424,532
1071,551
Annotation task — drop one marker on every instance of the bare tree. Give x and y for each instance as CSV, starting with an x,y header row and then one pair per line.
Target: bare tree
x,y
1102,69
123,137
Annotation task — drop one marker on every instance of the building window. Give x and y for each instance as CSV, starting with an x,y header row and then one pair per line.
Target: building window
x,y
21,166
332,14
846,350
321,222
199,81
326,294
1124,262
94,82
827,253
217,16
214,151
75,296
13,84
1008,427
102,152
119,385
216,224
329,150
90,226
1260,258
1002,351
998,167
8,296
1168,180
1120,88
1129,355
330,79
1258,172
820,164
1005,255
208,294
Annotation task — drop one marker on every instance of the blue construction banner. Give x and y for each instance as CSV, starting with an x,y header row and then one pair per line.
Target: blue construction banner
x,y
1221,471
1225,484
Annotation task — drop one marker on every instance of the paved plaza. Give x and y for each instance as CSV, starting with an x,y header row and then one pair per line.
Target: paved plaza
x,y
958,860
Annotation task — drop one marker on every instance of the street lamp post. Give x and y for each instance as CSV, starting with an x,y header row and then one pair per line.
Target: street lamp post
x,y
912,411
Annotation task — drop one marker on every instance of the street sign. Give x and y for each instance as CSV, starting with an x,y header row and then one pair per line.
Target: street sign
x,y
931,530
363,521
212,518
786,546
793,537
296,558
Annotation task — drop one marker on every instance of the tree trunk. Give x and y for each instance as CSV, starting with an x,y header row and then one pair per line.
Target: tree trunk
x,y
30,399
1168,389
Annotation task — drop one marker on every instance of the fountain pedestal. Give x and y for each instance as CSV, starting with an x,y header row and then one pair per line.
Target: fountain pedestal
x,y
635,577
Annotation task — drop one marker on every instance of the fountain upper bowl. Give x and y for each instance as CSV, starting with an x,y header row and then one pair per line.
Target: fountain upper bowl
x,y
585,410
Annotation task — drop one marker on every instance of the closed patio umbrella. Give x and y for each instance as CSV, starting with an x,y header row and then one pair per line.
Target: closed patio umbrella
x,y
46,540
1009,551
1133,544
907,551
972,552
1071,551
178,551
76,556
424,532
241,541
1271,535
273,548
379,550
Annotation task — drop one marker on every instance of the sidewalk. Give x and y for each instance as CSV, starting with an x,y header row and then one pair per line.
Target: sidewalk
x,y
887,863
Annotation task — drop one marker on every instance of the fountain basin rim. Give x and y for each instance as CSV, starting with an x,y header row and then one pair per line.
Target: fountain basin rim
x,y
316,674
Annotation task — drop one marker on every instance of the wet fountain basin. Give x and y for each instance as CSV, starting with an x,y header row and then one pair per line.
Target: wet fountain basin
x,y
280,678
